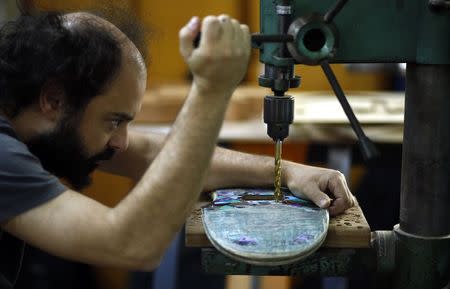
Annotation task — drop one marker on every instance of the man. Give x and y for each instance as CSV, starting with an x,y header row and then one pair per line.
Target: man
x,y
70,85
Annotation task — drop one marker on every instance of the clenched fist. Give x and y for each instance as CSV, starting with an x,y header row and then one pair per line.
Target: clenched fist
x,y
220,61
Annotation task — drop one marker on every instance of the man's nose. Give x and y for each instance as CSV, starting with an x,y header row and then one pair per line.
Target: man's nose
x,y
119,140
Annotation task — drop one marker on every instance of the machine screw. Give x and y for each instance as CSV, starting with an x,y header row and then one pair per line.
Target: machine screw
x,y
284,10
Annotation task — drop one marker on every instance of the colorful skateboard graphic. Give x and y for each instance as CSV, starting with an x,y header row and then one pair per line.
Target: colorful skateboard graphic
x,y
248,225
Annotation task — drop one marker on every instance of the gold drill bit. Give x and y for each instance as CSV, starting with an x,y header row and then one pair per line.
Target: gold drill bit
x,y
277,183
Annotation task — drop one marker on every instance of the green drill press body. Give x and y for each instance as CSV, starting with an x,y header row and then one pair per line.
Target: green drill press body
x,y
372,31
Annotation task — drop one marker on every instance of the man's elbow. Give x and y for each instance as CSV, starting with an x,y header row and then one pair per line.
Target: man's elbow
x,y
142,262
128,253
134,251
146,265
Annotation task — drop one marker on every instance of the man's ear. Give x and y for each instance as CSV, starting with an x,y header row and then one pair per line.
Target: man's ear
x,y
51,100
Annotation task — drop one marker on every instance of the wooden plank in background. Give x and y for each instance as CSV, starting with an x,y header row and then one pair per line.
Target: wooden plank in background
x,y
162,103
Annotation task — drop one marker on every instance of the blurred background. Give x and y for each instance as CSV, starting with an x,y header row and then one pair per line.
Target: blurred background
x,y
321,136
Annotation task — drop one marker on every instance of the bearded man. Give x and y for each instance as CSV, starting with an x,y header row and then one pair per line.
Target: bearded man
x,y
70,84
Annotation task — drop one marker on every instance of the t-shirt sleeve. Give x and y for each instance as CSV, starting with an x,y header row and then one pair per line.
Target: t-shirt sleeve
x,y
24,183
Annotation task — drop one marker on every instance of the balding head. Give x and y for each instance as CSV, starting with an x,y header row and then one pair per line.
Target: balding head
x,y
78,20
79,53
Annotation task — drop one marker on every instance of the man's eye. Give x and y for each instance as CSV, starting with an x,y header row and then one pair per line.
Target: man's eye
x,y
115,123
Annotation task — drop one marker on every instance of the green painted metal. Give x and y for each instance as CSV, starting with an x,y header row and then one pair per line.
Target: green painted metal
x,y
314,39
326,48
373,31
367,31
324,262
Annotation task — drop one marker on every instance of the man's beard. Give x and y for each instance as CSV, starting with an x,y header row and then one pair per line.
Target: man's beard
x,y
62,153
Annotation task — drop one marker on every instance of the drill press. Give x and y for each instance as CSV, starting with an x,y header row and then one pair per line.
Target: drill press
x,y
311,40
279,108
415,32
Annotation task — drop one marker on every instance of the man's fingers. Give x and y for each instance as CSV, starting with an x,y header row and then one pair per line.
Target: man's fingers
x,y
338,206
221,60
313,193
355,201
343,197
246,37
211,30
338,186
227,29
237,32
187,35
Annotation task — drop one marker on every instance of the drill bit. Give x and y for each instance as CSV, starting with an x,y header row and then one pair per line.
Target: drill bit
x,y
278,195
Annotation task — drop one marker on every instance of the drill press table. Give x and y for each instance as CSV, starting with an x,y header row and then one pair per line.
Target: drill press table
x,y
349,230
346,246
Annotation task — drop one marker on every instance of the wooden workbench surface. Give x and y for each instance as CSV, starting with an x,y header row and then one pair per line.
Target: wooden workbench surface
x,y
318,116
349,230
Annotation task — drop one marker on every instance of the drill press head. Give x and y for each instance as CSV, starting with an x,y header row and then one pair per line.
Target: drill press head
x,y
279,76
279,108
310,39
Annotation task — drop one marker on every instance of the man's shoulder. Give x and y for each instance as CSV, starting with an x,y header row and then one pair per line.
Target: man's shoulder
x,y
14,155
24,183
11,146
6,128
8,138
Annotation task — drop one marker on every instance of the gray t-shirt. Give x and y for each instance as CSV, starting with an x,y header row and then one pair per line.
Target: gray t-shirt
x,y
24,184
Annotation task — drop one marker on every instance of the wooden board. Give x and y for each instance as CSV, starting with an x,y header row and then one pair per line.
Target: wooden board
x,y
161,104
250,226
370,107
348,230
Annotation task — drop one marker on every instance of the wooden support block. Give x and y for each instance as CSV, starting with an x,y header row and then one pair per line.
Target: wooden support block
x,y
349,230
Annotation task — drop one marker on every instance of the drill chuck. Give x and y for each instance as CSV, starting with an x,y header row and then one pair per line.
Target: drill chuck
x,y
278,115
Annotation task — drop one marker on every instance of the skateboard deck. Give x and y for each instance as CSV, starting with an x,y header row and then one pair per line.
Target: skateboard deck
x,y
249,226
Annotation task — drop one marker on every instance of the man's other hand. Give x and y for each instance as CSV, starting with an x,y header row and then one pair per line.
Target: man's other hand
x,y
326,188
